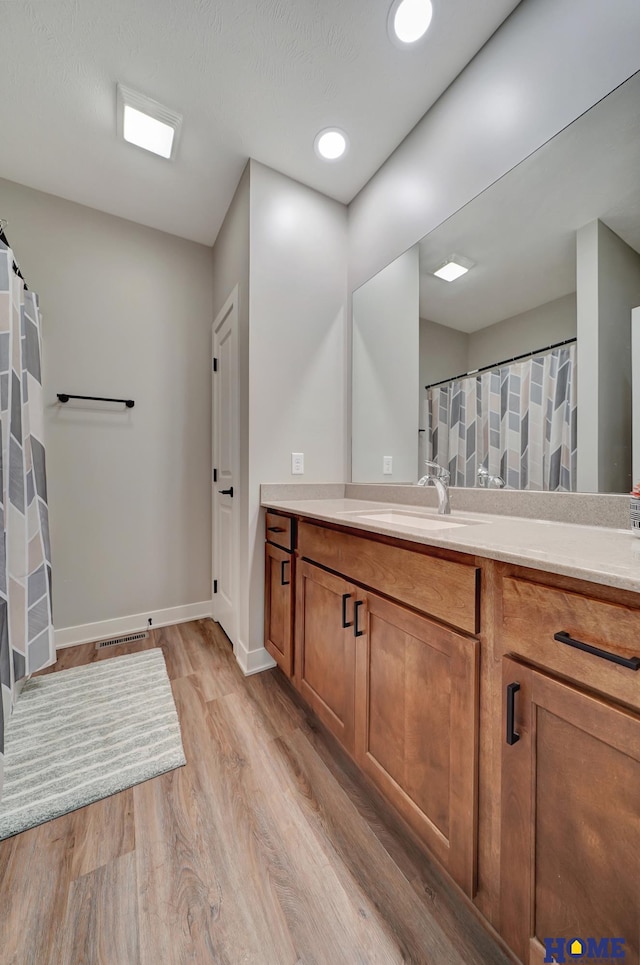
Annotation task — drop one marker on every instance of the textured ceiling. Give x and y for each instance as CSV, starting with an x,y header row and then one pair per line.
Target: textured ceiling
x,y
253,78
520,232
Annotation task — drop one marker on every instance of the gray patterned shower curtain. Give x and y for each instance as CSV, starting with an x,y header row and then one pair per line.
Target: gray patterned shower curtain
x,y
518,422
26,628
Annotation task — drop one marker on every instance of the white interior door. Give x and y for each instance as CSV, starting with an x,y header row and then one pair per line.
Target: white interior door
x,y
226,459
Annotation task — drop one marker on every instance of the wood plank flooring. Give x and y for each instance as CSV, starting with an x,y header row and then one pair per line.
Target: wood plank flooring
x,y
267,848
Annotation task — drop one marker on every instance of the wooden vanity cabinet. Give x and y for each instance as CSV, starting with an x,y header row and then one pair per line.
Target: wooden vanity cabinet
x,y
570,765
279,569
417,727
327,619
570,843
518,766
397,688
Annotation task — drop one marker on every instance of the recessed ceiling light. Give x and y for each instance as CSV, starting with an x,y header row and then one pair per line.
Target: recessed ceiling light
x,y
146,123
454,267
409,20
331,144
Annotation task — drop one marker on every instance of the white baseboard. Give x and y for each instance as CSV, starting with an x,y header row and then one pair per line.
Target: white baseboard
x,y
89,632
252,661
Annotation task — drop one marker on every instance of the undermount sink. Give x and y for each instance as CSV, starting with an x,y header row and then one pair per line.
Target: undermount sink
x,y
414,520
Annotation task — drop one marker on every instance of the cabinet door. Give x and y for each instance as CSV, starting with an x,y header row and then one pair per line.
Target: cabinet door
x,y
278,606
570,846
325,647
417,728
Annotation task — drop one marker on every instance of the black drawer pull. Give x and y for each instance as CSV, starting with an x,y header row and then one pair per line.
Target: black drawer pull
x,y
345,597
632,663
356,631
512,690
283,582
276,529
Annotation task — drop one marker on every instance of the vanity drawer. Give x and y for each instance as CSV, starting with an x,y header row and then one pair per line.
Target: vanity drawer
x,y
279,530
447,590
532,614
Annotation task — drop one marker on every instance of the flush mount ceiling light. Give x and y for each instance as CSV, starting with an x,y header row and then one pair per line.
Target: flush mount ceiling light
x,y
454,267
146,123
409,21
331,144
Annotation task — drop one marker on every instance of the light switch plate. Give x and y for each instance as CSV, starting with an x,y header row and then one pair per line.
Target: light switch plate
x,y
387,465
297,463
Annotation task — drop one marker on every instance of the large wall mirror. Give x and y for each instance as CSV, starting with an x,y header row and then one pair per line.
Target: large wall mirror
x,y
519,371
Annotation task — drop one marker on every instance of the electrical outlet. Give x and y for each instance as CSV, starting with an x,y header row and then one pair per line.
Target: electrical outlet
x,y
387,465
297,463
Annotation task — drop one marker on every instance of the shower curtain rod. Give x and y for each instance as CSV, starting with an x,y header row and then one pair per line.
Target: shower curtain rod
x,y
497,365
5,241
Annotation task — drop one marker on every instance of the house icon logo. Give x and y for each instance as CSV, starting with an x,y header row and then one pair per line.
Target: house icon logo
x,y
603,951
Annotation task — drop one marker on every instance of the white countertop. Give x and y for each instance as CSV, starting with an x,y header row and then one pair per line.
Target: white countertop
x,y
594,553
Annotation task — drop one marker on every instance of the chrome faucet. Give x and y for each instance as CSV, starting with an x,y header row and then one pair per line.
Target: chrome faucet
x,y
487,481
439,477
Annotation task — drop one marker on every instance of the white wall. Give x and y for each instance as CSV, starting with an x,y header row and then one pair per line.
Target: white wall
x,y
298,291
635,370
545,325
618,295
444,353
549,62
608,275
386,372
126,313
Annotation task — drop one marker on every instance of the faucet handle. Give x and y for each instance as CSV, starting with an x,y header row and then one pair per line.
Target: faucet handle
x,y
438,471
487,480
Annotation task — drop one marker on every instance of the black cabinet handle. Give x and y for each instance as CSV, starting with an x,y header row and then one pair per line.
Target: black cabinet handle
x,y
283,582
632,663
512,690
345,597
226,492
356,631
276,529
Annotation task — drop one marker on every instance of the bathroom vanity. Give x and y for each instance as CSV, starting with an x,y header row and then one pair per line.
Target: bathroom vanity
x,y
484,673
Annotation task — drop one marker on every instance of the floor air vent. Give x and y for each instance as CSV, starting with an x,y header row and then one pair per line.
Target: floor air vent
x,y
129,638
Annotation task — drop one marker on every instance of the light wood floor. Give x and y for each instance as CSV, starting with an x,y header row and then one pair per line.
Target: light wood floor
x,y
266,848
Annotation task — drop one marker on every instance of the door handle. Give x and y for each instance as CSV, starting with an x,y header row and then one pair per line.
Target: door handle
x,y
512,690
345,597
357,632
633,663
283,582
226,492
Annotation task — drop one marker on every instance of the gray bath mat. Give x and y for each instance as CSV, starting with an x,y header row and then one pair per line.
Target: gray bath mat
x,y
82,734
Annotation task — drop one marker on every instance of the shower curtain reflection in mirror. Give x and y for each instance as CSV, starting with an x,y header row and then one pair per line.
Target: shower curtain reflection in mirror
x,y
517,421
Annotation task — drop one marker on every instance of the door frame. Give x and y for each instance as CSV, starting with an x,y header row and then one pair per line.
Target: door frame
x,y
230,307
